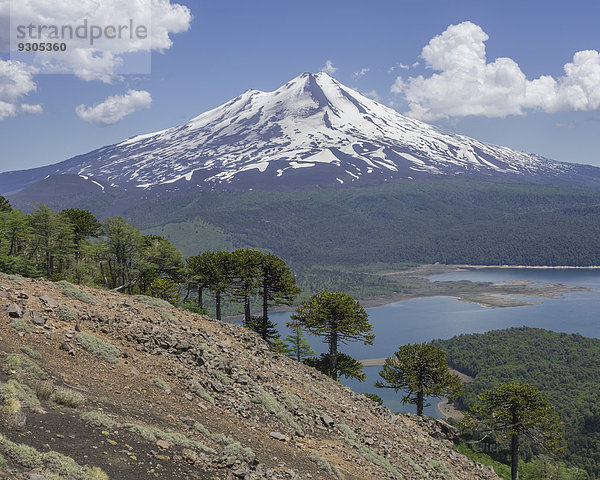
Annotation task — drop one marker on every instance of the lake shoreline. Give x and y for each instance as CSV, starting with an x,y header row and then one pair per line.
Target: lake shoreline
x,y
485,294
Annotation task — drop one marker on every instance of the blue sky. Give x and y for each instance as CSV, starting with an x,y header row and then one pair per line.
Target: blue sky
x,y
230,46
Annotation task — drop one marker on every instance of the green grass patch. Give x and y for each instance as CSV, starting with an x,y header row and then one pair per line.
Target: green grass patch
x,y
168,315
99,348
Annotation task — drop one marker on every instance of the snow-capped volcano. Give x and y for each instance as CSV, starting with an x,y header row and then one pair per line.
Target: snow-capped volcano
x,y
311,131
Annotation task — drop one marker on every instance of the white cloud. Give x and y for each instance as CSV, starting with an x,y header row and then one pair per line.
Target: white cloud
x,y
102,58
362,72
32,109
329,68
16,81
115,108
400,65
468,85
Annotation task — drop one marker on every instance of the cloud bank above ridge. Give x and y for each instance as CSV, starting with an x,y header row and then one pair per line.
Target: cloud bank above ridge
x,y
467,84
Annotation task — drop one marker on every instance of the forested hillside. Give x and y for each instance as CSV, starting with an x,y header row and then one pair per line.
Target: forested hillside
x,y
564,367
328,235
441,220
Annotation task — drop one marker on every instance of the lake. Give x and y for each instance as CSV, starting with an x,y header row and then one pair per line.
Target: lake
x,y
424,319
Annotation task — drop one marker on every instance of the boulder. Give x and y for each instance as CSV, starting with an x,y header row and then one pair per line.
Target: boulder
x,y
14,311
49,301
39,320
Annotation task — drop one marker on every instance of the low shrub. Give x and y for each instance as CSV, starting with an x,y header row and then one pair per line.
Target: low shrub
x,y
66,314
160,383
202,429
152,434
23,367
71,291
222,438
19,325
43,390
99,348
21,392
352,439
199,390
13,278
53,462
13,417
273,406
68,398
325,465
153,301
238,450
95,418
30,352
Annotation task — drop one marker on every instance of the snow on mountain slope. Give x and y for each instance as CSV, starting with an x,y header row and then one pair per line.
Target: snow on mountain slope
x,y
311,131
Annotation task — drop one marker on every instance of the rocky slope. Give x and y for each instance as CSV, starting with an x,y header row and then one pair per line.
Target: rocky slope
x,y
142,390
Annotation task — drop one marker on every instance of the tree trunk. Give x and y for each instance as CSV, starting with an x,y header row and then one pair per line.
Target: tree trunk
x,y
514,457
246,308
333,353
297,340
103,274
200,302
218,301
420,401
265,302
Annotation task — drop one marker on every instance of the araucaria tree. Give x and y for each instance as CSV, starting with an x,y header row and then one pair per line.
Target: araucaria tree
x,y
515,410
277,284
297,345
420,370
246,264
347,366
338,318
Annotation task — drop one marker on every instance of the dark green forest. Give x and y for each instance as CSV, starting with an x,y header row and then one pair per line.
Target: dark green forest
x,y
440,220
333,238
564,367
